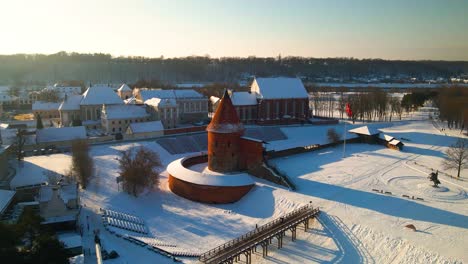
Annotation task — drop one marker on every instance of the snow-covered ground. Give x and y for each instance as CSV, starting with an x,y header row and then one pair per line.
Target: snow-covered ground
x,y
357,224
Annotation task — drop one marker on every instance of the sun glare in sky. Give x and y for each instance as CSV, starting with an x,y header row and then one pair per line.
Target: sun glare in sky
x,y
173,28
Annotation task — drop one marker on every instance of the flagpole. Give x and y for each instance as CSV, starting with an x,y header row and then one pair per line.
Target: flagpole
x,y
344,135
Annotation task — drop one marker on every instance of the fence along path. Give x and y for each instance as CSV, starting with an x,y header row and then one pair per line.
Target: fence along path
x,y
262,235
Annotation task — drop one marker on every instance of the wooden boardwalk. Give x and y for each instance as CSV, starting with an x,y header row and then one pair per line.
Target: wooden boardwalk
x,y
261,236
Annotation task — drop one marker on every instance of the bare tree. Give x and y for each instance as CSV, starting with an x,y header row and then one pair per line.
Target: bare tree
x,y
333,136
138,169
82,164
20,140
457,156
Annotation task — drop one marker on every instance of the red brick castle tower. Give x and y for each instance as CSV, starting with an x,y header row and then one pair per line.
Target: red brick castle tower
x,y
230,156
224,138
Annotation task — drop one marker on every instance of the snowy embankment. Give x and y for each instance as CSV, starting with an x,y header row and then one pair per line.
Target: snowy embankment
x,y
357,224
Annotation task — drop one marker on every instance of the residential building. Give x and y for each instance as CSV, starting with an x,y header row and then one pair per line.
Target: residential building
x,y
59,203
69,109
146,129
116,118
47,110
125,92
164,110
191,105
63,90
56,135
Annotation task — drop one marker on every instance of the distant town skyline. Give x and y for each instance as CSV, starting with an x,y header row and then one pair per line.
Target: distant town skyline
x,y
406,30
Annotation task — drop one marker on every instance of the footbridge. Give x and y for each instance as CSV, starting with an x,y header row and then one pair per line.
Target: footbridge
x,y
262,236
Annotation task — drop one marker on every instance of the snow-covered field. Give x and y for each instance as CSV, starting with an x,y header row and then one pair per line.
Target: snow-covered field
x,y
357,224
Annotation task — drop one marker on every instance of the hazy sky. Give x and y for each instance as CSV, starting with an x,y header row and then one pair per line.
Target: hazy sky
x,y
391,29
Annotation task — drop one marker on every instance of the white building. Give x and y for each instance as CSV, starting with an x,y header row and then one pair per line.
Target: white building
x,y
54,134
191,105
116,118
165,110
146,129
47,110
125,92
69,109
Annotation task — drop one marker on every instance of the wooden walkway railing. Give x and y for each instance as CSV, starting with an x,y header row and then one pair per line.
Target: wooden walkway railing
x,y
263,235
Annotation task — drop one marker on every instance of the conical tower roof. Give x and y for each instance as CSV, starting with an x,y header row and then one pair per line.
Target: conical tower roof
x,y
225,119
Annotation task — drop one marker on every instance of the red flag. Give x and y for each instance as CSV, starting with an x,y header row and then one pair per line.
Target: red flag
x,y
349,112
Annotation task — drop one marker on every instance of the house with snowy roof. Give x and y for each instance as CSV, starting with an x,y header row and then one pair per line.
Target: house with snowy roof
x,y
164,110
116,118
372,135
47,110
63,90
60,134
125,92
145,129
191,105
280,99
6,198
59,204
70,110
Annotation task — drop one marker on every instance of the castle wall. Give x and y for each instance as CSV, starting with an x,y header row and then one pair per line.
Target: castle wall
x,y
251,154
207,194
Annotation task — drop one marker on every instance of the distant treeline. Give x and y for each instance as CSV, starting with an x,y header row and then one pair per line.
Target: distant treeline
x,y
39,68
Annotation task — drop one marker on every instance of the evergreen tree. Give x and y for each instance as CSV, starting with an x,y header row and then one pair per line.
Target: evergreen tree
x,y
39,124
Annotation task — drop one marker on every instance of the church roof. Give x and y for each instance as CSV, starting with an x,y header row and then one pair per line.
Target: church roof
x,y
225,119
279,88
99,95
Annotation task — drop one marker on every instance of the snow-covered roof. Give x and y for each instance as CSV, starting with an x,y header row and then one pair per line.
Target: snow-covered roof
x,y
60,134
5,198
146,127
98,95
243,98
169,94
124,111
45,193
72,102
45,106
68,192
149,94
124,88
158,102
394,142
214,99
385,137
279,88
70,239
189,93
131,100
252,139
365,130
207,177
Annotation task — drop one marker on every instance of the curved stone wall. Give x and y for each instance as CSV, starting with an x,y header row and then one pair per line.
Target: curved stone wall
x,y
207,194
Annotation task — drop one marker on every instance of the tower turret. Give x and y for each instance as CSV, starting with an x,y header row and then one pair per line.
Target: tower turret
x,y
224,132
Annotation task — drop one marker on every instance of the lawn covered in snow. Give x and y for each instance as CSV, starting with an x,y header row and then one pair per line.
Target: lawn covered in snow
x,y
356,224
